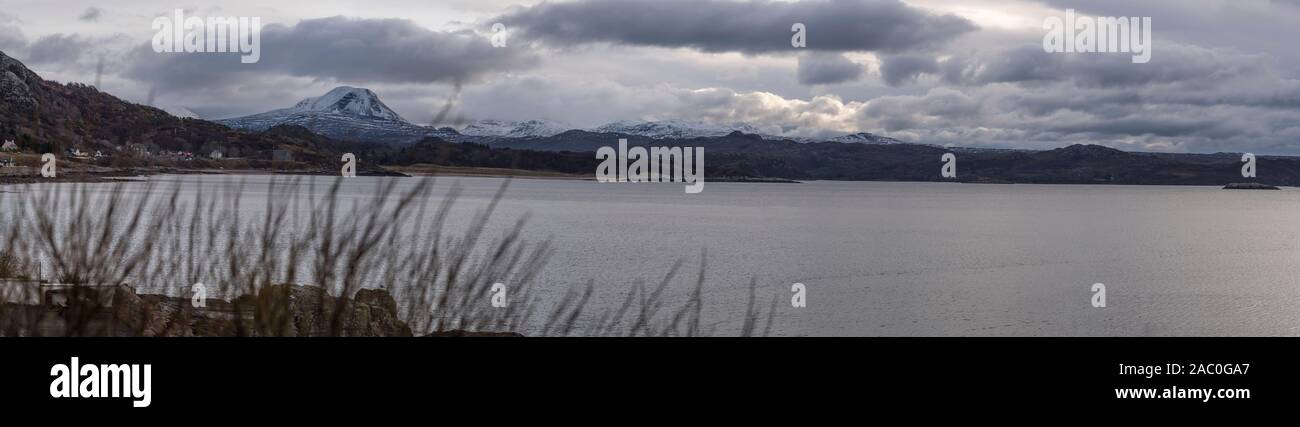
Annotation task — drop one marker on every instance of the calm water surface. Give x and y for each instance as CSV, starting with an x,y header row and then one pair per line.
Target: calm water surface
x,y
928,259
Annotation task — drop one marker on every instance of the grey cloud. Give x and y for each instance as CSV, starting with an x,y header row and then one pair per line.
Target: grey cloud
x,y
91,14
827,68
339,48
1136,125
1172,63
901,69
1251,26
11,37
57,49
1240,115
731,26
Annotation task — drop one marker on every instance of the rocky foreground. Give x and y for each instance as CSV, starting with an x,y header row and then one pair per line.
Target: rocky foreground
x,y
280,310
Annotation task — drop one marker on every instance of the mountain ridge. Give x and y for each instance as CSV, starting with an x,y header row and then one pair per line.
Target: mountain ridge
x,y
351,113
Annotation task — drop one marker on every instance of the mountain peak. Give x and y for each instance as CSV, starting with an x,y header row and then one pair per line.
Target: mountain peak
x,y
344,113
349,100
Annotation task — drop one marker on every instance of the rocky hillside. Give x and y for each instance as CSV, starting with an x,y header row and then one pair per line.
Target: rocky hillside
x,y
44,116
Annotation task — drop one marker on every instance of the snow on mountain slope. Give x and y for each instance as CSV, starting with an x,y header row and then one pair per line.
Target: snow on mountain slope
x,y
674,129
345,113
357,114
524,129
349,100
866,138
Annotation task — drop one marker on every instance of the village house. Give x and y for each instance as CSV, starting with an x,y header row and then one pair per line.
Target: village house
x,y
76,153
140,150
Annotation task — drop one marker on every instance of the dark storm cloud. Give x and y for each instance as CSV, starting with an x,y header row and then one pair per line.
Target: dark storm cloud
x,y
57,49
339,48
1128,126
91,14
897,70
730,26
827,68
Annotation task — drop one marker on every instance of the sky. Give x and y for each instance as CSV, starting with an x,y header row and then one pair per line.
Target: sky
x,y
1224,75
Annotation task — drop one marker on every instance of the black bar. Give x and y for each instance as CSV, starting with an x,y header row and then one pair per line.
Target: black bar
x,y
189,375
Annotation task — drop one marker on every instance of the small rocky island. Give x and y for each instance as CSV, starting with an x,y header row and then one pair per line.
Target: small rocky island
x,y
1249,186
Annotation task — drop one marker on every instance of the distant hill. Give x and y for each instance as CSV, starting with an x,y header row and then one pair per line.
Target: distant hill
x,y
741,154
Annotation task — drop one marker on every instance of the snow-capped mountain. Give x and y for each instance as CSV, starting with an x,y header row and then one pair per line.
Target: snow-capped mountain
x,y
524,129
345,99
866,138
357,114
662,129
345,113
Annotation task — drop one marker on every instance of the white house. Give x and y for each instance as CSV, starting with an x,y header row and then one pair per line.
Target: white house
x,y
9,146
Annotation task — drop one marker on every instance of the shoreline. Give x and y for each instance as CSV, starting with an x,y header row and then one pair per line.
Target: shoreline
x,y
405,171
425,170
